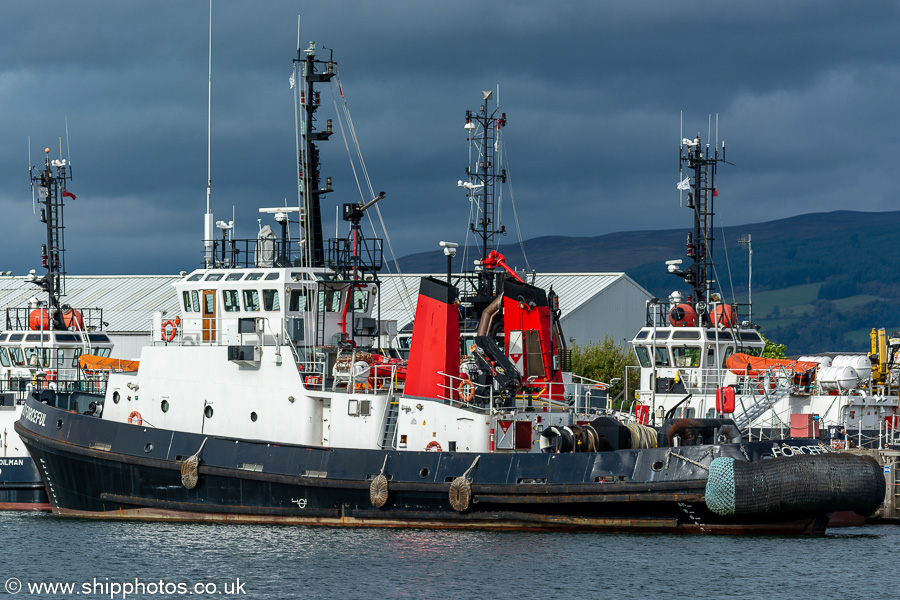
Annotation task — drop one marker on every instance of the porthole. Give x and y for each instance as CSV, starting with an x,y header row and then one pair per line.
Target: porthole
x,y
148,447
164,406
59,423
208,411
657,466
253,417
423,473
116,397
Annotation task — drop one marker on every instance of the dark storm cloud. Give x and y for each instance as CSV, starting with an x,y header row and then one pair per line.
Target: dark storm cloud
x,y
805,93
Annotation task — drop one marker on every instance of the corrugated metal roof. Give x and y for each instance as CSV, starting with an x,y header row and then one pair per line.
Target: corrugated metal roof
x,y
128,301
399,292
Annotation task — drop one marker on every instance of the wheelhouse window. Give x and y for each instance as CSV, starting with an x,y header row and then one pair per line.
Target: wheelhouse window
x,y
16,356
686,356
191,301
230,299
270,300
214,276
234,277
4,357
686,335
330,300
271,276
360,300
251,300
254,276
301,300
662,357
643,356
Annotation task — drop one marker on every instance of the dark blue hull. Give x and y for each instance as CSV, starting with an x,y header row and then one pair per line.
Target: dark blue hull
x,y
21,486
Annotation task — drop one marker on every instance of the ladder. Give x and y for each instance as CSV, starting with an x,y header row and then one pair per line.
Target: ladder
x,y
760,406
389,430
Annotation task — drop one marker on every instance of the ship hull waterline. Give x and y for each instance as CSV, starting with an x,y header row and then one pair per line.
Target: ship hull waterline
x,y
107,482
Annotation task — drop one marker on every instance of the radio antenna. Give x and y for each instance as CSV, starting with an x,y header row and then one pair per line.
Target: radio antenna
x,y
33,200
68,149
208,217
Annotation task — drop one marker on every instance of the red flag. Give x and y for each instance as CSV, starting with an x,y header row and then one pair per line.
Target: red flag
x,y
715,192
341,90
67,193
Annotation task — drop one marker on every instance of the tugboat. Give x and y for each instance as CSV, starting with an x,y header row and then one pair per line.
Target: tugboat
x,y
274,400
40,344
702,357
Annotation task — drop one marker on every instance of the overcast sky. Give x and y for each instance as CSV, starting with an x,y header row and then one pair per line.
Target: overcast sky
x,y
806,94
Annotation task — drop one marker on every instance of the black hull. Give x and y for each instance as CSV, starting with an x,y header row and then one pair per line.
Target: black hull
x,y
96,468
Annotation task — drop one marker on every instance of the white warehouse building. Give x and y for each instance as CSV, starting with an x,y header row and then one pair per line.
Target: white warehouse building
x,y
592,304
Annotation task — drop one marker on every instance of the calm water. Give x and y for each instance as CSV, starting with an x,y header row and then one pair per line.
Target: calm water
x,y
317,562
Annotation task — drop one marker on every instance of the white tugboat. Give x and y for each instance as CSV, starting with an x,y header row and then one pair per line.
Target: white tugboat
x,y
701,358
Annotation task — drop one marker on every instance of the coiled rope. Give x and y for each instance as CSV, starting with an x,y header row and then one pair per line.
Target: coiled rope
x,y
461,489
378,490
642,436
190,467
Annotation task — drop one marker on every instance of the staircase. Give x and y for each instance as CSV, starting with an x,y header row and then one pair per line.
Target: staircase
x,y
760,403
389,430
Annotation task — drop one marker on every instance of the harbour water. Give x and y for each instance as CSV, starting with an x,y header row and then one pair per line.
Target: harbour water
x,y
104,559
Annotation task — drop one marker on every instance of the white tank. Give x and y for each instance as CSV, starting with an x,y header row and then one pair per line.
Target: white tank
x,y
822,361
839,361
837,378
861,364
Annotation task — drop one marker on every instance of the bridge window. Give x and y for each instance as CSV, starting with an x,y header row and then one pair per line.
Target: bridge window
x,y
230,298
15,355
360,300
642,355
301,300
234,276
251,300
330,300
662,357
270,300
686,356
4,357
254,276
191,301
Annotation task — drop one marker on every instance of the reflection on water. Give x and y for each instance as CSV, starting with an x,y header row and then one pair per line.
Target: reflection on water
x,y
324,562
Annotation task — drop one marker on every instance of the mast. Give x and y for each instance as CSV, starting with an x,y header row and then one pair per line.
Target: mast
x,y
51,184
308,176
484,127
701,199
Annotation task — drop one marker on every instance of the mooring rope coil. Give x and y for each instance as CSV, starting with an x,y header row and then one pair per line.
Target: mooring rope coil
x,y
378,489
461,489
190,467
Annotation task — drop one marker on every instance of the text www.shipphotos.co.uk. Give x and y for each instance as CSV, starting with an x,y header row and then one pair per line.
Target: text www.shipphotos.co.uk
x,y
104,587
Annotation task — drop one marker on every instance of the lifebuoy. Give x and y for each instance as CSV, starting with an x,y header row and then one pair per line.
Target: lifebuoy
x,y
466,390
169,335
135,418
433,447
